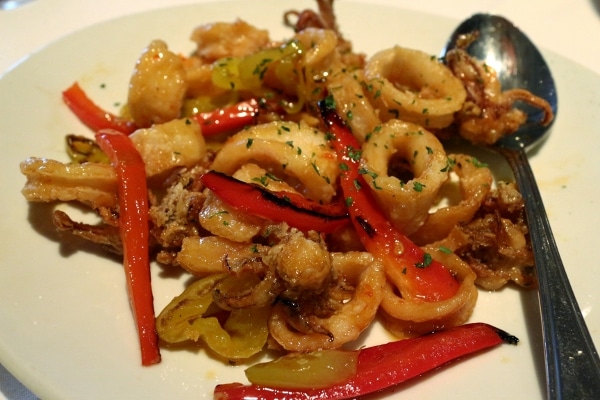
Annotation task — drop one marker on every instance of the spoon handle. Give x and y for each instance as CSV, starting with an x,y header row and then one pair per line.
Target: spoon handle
x,y
572,363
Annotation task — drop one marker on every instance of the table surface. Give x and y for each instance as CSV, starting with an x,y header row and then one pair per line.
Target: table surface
x,y
569,28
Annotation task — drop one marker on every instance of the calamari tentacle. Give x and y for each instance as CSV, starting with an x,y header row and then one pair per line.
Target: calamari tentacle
x,y
345,324
489,113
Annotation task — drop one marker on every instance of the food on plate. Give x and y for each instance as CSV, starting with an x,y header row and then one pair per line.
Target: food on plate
x,y
303,185
489,112
336,374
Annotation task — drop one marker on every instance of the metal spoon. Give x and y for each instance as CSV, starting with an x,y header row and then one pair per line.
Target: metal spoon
x,y
572,363
12,4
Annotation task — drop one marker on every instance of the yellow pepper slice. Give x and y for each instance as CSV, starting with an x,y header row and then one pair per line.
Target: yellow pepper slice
x,y
192,316
247,73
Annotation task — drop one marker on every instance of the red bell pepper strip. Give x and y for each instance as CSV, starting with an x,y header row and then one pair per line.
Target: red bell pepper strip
x,y
133,229
291,208
91,114
386,365
227,119
426,278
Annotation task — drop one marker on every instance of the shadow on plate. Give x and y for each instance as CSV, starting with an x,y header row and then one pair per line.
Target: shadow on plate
x,y
596,5
533,323
40,220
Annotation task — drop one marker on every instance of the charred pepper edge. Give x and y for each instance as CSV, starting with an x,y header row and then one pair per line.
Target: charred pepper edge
x,y
374,229
507,337
384,366
282,201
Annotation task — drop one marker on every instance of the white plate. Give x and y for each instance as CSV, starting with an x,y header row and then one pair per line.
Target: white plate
x,y
66,328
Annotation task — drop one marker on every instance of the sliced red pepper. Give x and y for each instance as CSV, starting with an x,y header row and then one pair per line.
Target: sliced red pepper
x,y
386,365
133,229
291,208
92,115
227,119
222,120
426,278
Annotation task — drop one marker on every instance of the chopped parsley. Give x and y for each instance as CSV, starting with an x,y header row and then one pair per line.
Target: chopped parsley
x,y
418,186
427,260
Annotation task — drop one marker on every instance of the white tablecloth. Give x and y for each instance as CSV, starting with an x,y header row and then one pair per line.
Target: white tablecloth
x,y
569,28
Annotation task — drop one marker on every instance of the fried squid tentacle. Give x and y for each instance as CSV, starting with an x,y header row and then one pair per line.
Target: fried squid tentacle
x,y
355,299
324,19
489,113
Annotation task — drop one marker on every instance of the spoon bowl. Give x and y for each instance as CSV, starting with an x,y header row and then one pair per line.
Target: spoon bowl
x,y
12,4
571,361
518,63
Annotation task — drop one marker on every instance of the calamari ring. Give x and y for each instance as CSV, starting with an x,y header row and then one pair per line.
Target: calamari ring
x,y
413,86
294,152
411,317
346,324
247,290
320,59
351,102
48,180
203,256
320,45
406,204
475,183
220,219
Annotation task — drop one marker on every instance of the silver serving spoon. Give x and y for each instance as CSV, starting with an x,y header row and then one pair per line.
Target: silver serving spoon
x,y
12,4
572,363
